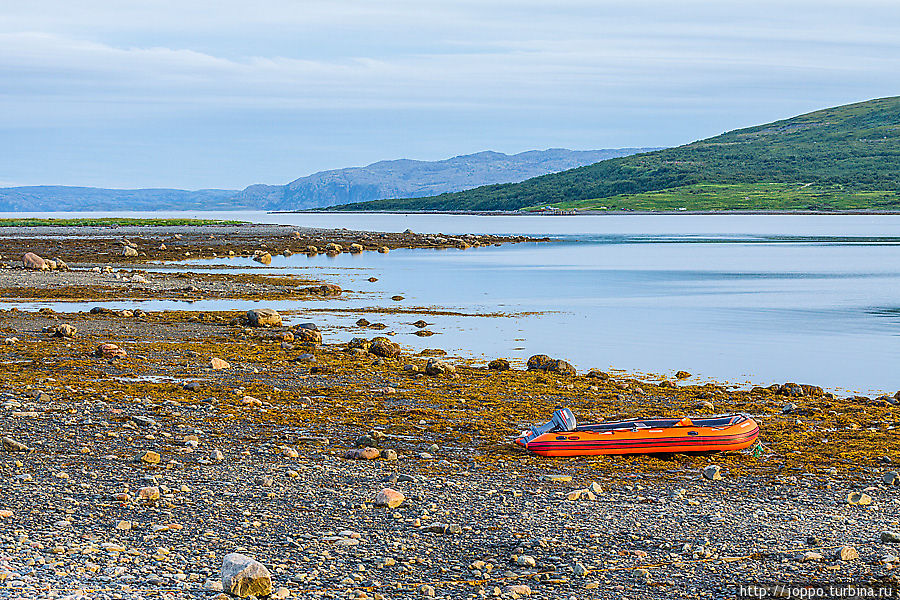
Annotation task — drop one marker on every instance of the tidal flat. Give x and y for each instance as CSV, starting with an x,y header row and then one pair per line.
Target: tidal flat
x,y
142,447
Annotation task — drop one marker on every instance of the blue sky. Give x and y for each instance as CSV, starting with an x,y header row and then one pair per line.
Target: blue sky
x,y
224,93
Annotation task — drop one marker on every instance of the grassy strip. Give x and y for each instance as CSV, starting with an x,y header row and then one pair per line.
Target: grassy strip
x,y
743,196
111,222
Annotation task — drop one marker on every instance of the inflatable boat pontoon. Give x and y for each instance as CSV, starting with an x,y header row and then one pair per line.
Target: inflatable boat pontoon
x,y
562,436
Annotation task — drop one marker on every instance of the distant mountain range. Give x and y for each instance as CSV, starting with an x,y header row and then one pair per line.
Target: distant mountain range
x,y
840,158
380,180
67,198
416,178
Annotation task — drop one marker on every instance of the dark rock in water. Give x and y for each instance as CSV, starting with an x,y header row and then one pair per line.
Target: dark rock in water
x,y
539,362
377,326
433,352
397,298
420,324
499,364
424,333
542,362
562,367
373,279
811,390
791,389
597,374
363,323
311,326
682,375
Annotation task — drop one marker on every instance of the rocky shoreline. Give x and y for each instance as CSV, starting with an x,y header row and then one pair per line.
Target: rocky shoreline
x,y
151,243
194,454
111,263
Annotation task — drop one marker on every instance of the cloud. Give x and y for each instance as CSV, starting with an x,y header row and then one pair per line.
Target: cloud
x,y
536,72
504,74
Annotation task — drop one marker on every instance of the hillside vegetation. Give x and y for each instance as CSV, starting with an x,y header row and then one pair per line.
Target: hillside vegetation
x,y
843,157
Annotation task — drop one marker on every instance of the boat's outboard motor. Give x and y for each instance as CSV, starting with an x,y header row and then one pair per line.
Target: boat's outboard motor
x,y
561,420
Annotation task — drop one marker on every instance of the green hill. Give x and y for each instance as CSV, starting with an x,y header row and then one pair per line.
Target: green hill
x,y
847,157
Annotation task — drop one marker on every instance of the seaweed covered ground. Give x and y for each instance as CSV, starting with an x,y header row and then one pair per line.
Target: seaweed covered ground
x,y
251,458
140,449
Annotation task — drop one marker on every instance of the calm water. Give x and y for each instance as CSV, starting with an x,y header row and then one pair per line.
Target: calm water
x,y
740,298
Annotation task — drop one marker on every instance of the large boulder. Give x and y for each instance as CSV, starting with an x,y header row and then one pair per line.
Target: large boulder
x,y
243,576
263,317
262,257
562,367
308,336
539,362
330,289
34,262
542,362
108,350
382,346
499,364
129,251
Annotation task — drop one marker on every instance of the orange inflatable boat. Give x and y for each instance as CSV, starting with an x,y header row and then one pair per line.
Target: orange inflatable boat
x,y
562,436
